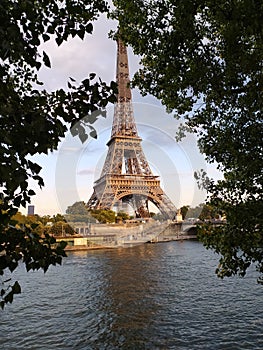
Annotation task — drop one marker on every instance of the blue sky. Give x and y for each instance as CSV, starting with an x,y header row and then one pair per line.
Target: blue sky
x,y
69,173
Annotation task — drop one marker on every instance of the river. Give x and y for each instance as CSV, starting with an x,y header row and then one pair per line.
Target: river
x,y
153,296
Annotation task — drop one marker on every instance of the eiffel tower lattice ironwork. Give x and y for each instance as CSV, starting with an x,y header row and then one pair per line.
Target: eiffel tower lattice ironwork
x,y
126,175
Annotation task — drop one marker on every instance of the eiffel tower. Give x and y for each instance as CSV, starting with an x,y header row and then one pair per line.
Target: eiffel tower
x,y
126,176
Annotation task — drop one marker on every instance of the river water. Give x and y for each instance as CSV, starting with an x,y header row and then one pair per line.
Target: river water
x,y
159,296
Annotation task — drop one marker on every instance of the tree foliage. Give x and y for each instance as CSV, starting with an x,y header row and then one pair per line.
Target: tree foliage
x,y
184,211
203,212
59,228
121,216
33,120
103,216
57,218
78,212
204,60
77,208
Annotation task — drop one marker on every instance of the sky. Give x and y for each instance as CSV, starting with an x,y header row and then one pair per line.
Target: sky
x,y
69,172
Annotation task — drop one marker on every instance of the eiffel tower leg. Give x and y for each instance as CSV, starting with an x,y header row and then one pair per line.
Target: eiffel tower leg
x,y
166,207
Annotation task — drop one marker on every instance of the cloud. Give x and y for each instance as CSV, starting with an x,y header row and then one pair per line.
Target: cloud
x,y
86,172
70,149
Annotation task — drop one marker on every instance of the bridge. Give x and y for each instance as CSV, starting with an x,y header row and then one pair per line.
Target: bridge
x,y
186,229
181,227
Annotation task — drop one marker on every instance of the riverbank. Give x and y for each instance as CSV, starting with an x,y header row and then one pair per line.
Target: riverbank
x,y
129,243
107,236
177,237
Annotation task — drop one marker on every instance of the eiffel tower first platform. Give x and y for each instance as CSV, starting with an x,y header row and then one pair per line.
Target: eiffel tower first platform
x,y
126,176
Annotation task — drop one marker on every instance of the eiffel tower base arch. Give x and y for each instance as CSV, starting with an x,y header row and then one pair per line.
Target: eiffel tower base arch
x,y
134,191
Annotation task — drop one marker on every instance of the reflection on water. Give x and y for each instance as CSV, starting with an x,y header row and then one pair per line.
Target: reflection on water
x,y
160,296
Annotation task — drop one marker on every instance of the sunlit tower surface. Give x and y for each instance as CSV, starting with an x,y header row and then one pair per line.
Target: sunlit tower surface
x,y
126,175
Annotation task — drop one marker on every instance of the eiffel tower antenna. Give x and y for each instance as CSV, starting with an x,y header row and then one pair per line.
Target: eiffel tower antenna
x,y
126,176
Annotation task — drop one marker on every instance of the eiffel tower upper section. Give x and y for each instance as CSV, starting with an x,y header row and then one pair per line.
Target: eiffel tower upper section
x,y
124,125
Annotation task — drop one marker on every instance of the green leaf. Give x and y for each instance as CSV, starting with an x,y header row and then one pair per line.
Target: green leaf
x,y
81,33
93,134
59,40
83,137
45,37
34,226
16,288
89,28
46,60
74,131
17,201
86,83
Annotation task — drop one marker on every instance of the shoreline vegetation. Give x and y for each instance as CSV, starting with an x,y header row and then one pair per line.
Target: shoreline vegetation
x,y
79,220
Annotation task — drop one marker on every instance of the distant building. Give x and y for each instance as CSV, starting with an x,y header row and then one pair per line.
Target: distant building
x,y
31,210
